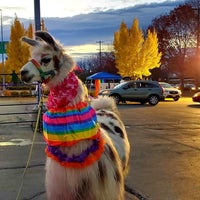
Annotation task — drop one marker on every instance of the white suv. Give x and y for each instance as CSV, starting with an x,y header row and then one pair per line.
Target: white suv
x,y
170,92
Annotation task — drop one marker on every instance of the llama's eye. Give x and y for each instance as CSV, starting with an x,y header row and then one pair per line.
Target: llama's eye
x,y
45,60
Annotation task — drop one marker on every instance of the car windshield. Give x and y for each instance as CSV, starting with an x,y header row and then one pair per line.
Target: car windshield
x,y
166,85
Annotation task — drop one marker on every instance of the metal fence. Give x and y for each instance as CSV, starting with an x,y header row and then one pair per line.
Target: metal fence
x,y
21,109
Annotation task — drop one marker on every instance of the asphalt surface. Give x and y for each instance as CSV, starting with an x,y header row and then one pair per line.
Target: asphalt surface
x,y
164,160
165,149
20,180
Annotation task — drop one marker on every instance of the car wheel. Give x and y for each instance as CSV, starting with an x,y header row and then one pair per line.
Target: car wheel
x,y
176,98
153,100
116,98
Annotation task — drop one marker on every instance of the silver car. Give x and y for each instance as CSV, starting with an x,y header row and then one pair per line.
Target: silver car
x,y
138,91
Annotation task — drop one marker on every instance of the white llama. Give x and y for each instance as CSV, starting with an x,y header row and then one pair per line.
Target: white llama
x,y
87,147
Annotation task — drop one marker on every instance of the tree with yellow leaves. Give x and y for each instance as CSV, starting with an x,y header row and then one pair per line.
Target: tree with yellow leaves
x,y
135,56
30,31
17,52
149,56
43,28
122,55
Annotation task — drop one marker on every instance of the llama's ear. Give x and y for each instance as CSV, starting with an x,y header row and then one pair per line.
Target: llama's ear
x,y
29,41
47,38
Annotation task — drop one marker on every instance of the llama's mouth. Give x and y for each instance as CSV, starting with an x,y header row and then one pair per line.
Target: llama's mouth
x,y
27,79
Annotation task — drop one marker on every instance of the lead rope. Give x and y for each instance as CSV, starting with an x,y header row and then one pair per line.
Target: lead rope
x,y
31,149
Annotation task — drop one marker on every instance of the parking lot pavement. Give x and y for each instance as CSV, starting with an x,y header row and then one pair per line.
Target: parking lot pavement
x,y
15,146
14,149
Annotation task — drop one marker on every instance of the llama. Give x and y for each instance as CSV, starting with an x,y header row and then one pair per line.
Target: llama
x,y
87,146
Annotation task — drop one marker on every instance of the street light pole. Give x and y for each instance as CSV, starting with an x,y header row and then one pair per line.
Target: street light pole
x,y
2,53
37,28
37,15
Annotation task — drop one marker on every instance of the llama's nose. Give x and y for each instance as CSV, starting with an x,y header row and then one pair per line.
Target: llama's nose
x,y
24,73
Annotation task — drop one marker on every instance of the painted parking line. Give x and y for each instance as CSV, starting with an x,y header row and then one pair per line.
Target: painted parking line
x,y
19,142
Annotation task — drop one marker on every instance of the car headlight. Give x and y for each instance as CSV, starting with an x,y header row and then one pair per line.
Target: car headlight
x,y
104,92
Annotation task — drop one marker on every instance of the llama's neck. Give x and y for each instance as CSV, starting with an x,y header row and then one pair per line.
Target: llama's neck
x,y
64,93
70,122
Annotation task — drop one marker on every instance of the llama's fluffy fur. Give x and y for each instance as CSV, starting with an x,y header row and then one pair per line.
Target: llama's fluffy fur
x,y
106,103
104,179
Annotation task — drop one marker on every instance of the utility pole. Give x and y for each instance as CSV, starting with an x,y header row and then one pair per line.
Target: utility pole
x,y
100,51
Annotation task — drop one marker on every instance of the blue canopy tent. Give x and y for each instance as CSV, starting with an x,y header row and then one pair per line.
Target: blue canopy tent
x,y
104,76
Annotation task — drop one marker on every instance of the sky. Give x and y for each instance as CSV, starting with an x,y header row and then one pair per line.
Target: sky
x,y
68,8
80,24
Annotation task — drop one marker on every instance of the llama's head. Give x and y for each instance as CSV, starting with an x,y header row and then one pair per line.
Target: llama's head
x,y
49,64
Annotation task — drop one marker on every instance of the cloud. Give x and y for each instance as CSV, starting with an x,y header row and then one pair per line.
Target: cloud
x,y
89,28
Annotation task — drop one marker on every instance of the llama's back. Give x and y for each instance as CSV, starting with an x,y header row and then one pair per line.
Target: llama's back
x,y
105,103
109,119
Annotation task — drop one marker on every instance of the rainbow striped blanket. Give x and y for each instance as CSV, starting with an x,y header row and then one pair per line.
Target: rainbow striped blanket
x,y
68,126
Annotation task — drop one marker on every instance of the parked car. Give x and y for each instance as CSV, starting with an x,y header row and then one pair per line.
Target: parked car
x,y
188,87
170,92
196,97
137,91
